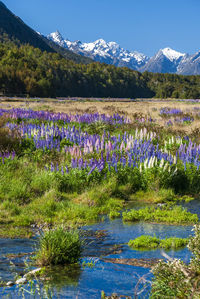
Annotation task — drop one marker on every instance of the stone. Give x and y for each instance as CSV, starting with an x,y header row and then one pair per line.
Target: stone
x,y
10,284
21,280
32,273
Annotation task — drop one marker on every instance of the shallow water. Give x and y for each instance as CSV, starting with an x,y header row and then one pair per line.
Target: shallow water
x,y
103,240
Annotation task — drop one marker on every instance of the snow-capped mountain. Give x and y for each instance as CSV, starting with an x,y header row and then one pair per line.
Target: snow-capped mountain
x,y
171,54
102,51
165,60
190,65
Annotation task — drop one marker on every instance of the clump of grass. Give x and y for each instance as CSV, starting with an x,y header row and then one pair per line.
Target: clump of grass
x,y
58,246
146,242
152,196
167,214
114,214
159,196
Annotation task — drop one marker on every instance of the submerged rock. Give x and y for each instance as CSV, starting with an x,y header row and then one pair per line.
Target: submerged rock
x,y
145,263
32,273
114,296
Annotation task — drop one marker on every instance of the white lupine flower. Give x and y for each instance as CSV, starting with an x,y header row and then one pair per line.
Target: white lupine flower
x,y
141,134
136,133
140,168
175,160
145,163
149,164
161,162
165,167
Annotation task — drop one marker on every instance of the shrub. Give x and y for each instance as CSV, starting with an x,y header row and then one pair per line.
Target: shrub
x,y
174,278
58,246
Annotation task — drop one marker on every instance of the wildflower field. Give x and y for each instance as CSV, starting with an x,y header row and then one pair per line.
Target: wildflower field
x,y
74,163
54,165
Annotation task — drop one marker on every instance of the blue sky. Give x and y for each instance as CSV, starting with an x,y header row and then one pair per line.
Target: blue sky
x,y
142,25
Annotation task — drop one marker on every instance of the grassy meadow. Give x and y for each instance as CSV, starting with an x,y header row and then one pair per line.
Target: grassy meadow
x,y
73,162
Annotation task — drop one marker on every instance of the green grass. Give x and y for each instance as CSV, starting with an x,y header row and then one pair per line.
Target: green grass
x,y
152,196
9,231
114,214
171,215
146,242
30,195
58,247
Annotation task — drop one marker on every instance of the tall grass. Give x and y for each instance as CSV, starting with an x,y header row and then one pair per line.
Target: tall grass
x,y
58,247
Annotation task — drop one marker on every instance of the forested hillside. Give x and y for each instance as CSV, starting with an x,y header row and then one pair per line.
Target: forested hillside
x,y
29,71
12,28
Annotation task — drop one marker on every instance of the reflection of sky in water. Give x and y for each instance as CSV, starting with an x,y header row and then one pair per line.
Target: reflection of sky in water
x,y
89,282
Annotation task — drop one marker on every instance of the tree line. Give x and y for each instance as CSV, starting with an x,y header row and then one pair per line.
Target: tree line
x,y
27,70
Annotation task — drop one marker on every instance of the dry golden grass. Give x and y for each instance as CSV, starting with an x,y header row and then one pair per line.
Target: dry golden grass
x,y
145,108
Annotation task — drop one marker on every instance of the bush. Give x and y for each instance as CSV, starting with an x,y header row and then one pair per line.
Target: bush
x,y
174,278
58,246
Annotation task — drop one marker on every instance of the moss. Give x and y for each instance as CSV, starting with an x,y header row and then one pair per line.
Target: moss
x,y
146,242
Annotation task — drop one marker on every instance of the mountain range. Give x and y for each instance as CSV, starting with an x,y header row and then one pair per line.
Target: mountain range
x,y
165,60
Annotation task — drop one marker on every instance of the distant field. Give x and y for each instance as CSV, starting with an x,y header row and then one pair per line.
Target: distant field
x,y
140,110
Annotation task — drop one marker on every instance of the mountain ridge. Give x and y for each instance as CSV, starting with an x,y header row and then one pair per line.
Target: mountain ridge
x,y
13,29
166,60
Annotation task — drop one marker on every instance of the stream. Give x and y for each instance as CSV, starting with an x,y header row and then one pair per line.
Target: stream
x,y
103,243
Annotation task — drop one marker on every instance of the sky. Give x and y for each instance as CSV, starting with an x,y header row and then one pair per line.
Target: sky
x,y
137,25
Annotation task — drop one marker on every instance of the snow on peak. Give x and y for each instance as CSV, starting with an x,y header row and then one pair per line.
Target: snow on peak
x,y
100,42
172,54
57,38
100,50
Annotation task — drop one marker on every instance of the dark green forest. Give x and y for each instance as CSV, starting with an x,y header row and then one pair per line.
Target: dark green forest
x,y
25,70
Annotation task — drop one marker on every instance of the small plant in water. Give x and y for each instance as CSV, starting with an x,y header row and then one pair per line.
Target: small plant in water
x,y
58,246
149,242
